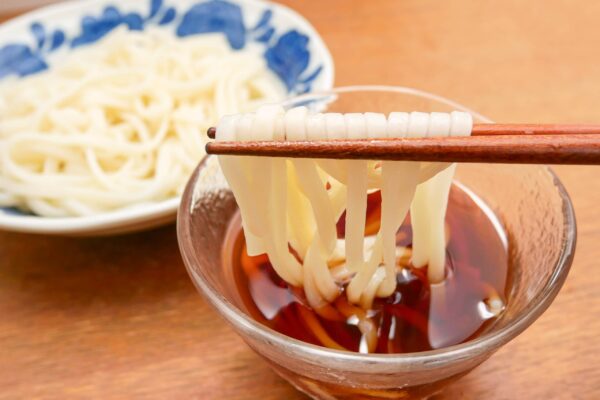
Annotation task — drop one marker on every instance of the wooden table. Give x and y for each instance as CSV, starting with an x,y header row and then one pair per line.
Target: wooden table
x,y
119,318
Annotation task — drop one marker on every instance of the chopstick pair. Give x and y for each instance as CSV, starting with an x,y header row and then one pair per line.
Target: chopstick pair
x,y
488,143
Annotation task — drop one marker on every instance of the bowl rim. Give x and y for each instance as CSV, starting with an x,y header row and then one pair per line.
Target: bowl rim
x,y
141,215
443,356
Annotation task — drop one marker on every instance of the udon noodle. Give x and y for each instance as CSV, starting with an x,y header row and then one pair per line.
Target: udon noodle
x,y
297,202
121,122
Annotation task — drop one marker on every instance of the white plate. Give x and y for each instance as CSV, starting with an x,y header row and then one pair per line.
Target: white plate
x,y
46,35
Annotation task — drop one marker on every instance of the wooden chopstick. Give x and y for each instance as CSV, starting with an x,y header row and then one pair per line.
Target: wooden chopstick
x,y
489,143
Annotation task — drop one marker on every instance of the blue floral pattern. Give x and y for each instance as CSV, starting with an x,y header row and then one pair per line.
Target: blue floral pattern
x,y
215,16
19,59
94,28
289,57
286,53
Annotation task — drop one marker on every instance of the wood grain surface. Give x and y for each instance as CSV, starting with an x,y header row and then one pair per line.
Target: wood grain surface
x,y
570,149
119,318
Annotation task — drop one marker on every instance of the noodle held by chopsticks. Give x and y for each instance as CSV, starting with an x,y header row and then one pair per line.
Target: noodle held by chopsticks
x,y
298,202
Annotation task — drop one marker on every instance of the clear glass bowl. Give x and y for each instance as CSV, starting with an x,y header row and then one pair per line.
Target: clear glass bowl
x,y
529,200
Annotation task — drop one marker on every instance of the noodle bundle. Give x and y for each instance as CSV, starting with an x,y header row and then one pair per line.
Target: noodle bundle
x,y
121,122
298,202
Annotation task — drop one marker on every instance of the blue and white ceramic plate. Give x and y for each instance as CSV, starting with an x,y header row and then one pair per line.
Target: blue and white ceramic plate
x,y
37,40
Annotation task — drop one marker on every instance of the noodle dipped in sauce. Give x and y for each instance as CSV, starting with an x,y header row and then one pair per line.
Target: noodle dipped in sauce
x,y
332,232
418,316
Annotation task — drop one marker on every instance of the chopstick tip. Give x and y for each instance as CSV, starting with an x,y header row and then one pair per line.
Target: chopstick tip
x,y
211,132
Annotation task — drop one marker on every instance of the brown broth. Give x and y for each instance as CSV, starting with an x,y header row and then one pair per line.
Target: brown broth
x,y
418,316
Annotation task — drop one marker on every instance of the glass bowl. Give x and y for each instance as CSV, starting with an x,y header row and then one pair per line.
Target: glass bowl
x,y
529,200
